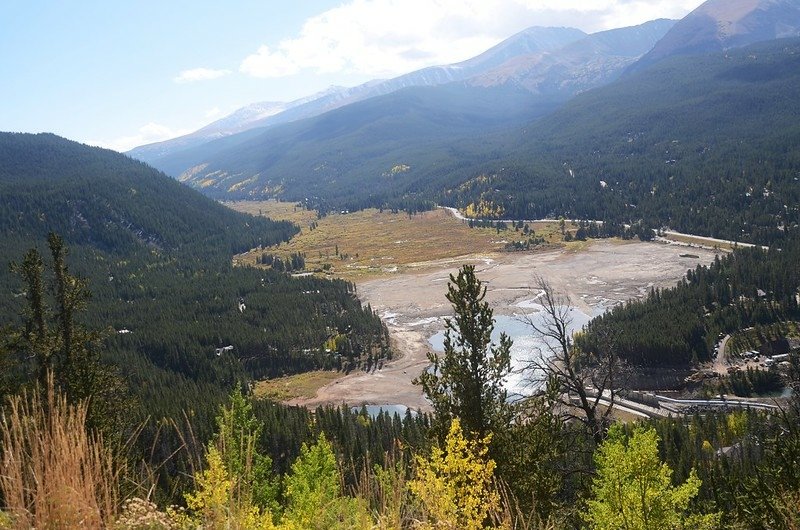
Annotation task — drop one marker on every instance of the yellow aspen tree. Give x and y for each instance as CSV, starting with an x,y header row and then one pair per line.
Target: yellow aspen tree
x,y
454,484
633,489
214,505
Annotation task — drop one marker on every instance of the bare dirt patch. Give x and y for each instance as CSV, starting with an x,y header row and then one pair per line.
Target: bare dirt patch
x,y
401,264
413,303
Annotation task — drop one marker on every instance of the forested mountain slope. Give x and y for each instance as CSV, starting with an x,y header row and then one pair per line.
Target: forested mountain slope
x,y
358,149
99,198
679,326
158,259
704,144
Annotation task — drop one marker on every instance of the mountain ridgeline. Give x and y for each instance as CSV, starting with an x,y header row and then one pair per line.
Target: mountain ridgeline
x,y
522,78
719,25
700,143
267,114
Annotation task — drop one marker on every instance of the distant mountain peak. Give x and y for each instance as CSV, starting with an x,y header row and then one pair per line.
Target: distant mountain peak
x,y
590,61
530,40
718,25
535,39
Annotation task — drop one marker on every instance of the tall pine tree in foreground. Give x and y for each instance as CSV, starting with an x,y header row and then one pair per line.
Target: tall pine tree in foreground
x,y
52,340
466,382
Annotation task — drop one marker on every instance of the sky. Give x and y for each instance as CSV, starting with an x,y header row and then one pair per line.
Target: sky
x,y
123,73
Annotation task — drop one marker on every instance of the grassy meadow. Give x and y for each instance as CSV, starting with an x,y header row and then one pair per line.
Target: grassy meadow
x,y
370,243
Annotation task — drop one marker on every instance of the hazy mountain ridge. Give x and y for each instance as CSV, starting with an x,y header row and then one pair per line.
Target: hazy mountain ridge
x,y
592,61
719,25
530,40
242,119
539,59
358,142
584,63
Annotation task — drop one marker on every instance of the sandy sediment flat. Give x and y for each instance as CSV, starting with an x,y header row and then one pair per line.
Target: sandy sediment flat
x,y
604,273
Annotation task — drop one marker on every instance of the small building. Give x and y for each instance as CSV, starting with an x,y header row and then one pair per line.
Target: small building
x,y
220,351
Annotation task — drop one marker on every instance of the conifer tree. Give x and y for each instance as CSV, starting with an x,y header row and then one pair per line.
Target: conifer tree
x,y
53,338
236,439
467,381
313,492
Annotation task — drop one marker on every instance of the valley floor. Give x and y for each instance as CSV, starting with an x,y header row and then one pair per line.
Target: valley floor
x,y
596,275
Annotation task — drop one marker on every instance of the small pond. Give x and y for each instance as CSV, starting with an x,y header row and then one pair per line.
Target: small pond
x,y
375,410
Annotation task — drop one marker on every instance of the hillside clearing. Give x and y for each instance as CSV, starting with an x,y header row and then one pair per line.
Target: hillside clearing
x,y
294,386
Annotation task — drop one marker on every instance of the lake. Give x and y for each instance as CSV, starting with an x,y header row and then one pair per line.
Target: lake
x,y
526,346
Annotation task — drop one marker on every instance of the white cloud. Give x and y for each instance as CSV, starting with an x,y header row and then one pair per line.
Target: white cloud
x,y
147,134
391,37
199,74
623,13
213,113
266,63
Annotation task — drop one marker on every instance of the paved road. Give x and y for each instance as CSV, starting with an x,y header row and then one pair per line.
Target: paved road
x,y
710,241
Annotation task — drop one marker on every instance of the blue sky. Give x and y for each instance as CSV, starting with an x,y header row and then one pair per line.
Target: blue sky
x,y
120,73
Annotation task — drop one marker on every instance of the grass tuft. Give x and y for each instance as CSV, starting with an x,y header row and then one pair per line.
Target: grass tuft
x,y
55,474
